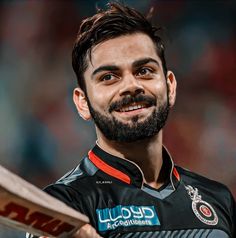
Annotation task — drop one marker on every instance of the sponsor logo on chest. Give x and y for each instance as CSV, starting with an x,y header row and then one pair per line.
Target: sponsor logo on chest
x,y
126,216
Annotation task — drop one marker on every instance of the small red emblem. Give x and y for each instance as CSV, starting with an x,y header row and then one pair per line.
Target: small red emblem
x,y
205,211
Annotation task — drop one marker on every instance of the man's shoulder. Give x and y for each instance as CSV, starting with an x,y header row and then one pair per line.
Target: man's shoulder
x,y
196,179
74,182
83,170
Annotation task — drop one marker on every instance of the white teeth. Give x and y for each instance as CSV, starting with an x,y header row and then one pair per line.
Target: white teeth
x,y
131,108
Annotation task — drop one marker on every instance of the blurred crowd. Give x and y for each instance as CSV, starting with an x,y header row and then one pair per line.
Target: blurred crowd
x,y
41,134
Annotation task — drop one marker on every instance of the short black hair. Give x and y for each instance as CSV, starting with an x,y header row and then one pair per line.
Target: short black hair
x,y
116,21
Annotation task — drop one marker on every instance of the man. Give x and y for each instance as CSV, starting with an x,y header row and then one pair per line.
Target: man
x,y
128,185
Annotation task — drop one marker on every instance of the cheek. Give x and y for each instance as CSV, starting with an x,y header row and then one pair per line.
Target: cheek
x,y
158,89
100,97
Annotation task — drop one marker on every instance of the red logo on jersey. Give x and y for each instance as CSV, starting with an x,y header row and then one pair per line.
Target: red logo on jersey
x,y
205,211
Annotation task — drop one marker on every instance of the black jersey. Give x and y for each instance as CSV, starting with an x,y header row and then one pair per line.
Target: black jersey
x,y
112,193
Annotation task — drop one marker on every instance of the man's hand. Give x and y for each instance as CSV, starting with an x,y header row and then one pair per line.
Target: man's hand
x,y
86,231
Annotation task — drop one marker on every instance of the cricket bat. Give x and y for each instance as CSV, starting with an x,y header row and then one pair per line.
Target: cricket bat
x,y
24,206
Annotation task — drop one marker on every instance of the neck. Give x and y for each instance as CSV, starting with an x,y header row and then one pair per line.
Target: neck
x,y
147,154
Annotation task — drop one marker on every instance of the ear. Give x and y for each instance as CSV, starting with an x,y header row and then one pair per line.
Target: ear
x,y
81,104
172,85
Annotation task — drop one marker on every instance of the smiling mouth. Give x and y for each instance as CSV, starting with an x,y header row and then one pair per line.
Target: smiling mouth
x,y
133,107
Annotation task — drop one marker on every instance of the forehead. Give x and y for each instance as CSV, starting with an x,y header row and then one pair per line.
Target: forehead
x,y
123,50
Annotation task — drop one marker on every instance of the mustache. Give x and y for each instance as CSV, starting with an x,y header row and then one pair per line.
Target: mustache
x,y
148,100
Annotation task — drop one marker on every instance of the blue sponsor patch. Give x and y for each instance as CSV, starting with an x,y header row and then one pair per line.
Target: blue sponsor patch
x,y
111,218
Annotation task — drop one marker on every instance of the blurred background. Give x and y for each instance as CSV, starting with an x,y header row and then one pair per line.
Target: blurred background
x,y
41,134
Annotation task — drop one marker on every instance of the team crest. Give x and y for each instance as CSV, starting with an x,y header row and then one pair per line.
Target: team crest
x,y
202,209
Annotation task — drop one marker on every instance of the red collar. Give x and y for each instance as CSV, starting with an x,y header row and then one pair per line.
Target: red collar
x,y
127,171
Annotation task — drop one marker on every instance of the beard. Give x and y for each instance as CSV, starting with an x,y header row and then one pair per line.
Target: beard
x,y
118,131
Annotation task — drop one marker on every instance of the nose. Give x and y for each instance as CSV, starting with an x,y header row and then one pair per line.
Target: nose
x,y
131,86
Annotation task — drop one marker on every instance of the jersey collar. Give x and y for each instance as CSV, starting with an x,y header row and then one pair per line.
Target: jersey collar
x,y
127,171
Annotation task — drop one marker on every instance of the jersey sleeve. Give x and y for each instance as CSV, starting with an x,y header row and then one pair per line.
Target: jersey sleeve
x,y
65,194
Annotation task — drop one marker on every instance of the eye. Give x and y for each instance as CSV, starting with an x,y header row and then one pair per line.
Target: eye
x,y
144,71
107,77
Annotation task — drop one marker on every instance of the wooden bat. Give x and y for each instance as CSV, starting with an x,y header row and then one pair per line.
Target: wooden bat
x,y
23,206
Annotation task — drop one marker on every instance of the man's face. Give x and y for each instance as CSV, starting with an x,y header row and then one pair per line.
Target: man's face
x,y
127,94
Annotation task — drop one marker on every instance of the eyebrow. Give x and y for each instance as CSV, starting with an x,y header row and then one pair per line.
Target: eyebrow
x,y
105,68
143,61
135,64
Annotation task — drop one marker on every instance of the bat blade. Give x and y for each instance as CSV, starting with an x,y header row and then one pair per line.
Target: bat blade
x,y
24,206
